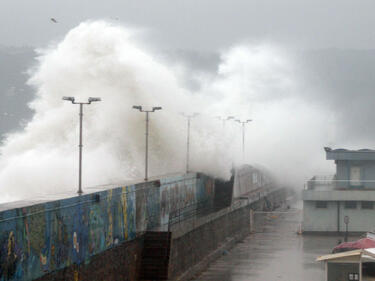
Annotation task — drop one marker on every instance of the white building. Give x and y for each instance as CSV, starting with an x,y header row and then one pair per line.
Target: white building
x,y
348,196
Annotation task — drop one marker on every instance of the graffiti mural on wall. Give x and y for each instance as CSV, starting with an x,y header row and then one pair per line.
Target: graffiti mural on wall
x,y
205,188
181,192
172,195
148,206
41,238
128,208
45,237
10,256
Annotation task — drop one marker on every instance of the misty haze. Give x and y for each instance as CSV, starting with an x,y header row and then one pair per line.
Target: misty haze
x,y
186,140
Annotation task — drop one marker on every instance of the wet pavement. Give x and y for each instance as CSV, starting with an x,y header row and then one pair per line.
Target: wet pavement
x,y
274,253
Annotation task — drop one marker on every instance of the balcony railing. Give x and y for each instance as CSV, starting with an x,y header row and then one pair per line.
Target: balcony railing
x,y
329,183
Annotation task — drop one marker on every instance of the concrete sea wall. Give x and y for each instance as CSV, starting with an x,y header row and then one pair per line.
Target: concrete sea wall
x,y
37,238
100,235
122,262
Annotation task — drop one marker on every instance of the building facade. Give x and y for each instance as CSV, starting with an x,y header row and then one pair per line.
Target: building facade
x,y
345,200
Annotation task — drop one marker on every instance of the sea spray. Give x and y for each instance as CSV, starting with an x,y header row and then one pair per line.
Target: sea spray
x,y
264,83
100,59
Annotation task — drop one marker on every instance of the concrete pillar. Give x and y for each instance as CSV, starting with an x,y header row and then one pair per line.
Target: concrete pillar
x,y
327,268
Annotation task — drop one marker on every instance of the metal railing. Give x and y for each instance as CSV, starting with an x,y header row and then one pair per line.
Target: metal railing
x,y
333,184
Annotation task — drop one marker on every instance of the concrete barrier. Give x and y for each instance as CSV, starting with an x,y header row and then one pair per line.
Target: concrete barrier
x,y
66,235
99,235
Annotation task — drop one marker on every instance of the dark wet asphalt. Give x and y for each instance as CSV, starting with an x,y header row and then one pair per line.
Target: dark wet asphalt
x,y
274,253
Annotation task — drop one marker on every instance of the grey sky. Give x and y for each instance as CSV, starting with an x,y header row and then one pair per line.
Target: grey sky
x,y
200,25
192,30
321,34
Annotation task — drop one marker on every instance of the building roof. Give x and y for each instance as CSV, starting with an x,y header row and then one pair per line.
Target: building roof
x,y
368,254
364,243
347,154
340,255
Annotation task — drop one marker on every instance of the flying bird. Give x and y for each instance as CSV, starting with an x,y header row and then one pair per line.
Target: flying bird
x,y
53,20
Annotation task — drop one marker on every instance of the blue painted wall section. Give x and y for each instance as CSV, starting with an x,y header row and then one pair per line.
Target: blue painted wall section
x,y
148,206
38,239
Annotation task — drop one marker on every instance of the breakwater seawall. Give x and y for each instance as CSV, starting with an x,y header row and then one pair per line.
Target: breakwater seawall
x,y
128,232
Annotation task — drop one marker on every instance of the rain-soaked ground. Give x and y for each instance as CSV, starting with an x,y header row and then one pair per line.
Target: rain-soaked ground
x,y
274,253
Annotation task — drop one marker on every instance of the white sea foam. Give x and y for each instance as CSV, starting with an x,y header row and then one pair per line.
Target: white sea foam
x,y
104,60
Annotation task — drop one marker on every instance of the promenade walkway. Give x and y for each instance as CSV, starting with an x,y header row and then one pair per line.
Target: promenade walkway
x,y
275,252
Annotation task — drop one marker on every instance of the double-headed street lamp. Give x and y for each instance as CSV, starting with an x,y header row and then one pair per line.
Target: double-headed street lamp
x,y
90,100
243,135
139,107
188,117
224,119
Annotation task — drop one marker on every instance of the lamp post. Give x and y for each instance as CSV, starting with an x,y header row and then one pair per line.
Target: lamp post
x,y
346,221
90,100
243,135
224,119
188,117
139,107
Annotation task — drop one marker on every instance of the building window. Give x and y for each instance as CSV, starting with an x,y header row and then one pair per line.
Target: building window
x,y
367,205
355,176
321,204
350,205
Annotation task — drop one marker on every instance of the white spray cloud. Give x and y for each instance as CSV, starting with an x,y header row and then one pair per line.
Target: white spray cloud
x,y
101,59
287,133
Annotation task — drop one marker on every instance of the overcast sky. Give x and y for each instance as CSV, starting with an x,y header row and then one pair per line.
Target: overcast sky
x,y
339,81
343,78
200,25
